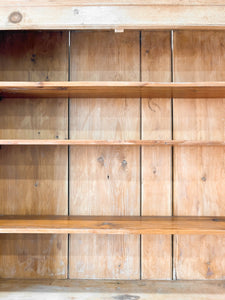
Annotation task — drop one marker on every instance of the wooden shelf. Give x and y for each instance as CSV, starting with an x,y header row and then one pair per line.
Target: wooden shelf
x,y
112,89
20,289
112,225
109,143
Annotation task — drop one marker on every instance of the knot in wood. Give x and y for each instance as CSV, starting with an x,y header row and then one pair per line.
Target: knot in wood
x,y
15,17
101,160
124,163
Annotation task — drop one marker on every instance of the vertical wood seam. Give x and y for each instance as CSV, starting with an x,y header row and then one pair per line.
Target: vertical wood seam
x,y
173,275
68,246
140,71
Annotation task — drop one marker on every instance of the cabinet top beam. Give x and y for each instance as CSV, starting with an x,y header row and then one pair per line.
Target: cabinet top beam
x,y
123,14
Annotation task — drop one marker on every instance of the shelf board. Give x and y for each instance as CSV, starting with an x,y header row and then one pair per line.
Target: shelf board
x,y
110,15
112,89
51,289
112,225
56,142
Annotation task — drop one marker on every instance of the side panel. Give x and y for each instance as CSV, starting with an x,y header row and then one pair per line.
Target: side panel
x,y
33,180
105,180
199,172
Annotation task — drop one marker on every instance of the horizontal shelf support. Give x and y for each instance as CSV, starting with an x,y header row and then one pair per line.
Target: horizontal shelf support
x,y
15,289
112,89
17,142
112,225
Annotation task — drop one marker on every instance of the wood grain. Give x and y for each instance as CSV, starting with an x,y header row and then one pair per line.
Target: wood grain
x,y
73,15
156,162
33,56
111,290
104,180
155,143
199,173
22,3
112,225
113,89
33,180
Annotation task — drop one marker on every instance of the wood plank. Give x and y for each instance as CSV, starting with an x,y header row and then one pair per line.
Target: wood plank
x,y
79,16
112,89
104,180
199,174
33,180
14,3
112,225
155,143
156,162
111,290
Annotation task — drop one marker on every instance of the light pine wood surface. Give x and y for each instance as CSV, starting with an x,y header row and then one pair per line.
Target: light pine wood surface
x,y
105,180
199,173
106,173
33,180
113,89
84,142
156,162
117,15
111,290
113,225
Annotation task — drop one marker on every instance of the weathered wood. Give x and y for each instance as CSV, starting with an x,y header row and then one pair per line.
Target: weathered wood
x,y
33,180
104,180
155,143
114,15
156,163
112,225
15,3
113,89
111,290
199,173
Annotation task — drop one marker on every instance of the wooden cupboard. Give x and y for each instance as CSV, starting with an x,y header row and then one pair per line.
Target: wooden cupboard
x,y
112,153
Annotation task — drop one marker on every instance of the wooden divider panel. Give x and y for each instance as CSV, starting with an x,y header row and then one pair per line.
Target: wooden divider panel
x,y
105,180
156,161
199,172
33,180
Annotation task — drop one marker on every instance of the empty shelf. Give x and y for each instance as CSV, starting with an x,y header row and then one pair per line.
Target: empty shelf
x,y
112,225
112,89
59,289
111,142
